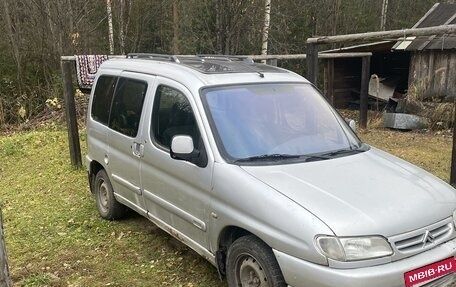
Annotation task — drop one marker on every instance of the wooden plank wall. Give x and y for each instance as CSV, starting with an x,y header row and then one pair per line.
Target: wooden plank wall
x,y
451,76
346,76
433,74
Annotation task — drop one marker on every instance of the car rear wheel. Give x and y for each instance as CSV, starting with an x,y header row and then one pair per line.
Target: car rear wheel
x,y
108,207
251,263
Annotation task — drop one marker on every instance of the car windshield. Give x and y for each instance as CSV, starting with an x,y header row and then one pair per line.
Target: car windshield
x,y
281,121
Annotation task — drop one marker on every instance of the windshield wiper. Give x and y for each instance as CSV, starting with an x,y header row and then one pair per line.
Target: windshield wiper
x,y
266,157
315,157
360,149
307,158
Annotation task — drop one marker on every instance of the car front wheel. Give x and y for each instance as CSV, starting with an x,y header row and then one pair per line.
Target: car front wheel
x,y
251,263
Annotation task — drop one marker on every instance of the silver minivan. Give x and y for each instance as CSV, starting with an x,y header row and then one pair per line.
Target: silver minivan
x,y
248,165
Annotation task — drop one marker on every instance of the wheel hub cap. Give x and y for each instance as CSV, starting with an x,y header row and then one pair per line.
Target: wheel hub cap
x,y
251,274
103,195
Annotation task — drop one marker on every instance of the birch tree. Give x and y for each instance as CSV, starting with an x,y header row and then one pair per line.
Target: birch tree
x,y
383,17
121,27
110,29
267,22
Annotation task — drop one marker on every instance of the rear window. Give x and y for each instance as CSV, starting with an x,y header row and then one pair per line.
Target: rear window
x,y
102,98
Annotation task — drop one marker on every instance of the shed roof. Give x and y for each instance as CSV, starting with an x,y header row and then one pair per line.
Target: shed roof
x,y
439,14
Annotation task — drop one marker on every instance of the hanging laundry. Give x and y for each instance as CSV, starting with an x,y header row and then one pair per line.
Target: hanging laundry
x,y
86,68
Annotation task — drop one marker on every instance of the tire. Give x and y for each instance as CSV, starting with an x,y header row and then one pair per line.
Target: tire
x,y
251,263
107,205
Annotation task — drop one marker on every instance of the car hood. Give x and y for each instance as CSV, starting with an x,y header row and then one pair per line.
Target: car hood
x,y
363,194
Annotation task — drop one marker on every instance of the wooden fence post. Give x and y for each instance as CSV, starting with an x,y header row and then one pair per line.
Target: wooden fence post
x,y
4,270
70,113
329,81
312,63
363,105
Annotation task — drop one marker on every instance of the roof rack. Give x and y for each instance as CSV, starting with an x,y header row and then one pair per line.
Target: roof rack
x,y
175,58
226,58
161,57
211,64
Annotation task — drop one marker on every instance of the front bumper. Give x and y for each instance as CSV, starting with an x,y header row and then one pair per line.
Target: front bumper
x,y
300,273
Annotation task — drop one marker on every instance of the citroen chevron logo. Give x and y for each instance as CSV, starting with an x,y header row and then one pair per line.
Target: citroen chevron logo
x,y
428,238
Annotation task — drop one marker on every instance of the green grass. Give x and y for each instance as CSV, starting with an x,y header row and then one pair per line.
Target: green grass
x,y
56,238
431,152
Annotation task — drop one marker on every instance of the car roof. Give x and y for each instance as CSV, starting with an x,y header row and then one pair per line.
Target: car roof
x,y
202,70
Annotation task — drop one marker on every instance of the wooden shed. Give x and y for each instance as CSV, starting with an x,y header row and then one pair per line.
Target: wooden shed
x,y
432,71
342,77
424,66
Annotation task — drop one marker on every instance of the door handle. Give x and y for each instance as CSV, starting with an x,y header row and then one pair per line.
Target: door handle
x,y
138,149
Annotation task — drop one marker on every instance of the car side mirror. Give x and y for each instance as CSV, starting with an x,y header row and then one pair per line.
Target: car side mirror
x,y
352,124
182,148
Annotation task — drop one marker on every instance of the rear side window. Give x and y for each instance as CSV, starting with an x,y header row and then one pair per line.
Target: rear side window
x,y
102,98
127,106
172,115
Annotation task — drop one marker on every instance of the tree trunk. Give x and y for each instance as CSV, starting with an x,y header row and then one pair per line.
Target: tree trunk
x,y
121,27
176,27
14,43
217,26
383,18
336,16
4,270
54,31
111,31
69,6
267,21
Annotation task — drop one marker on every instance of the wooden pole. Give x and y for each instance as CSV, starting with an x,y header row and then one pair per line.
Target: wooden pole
x,y
302,56
382,35
70,113
4,269
453,156
329,80
365,76
266,57
312,63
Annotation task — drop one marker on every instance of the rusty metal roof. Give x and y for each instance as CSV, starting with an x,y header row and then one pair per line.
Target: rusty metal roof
x,y
439,14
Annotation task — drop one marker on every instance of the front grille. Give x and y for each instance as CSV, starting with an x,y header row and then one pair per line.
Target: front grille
x,y
423,239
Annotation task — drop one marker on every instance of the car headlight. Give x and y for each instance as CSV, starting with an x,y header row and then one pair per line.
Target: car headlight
x,y
353,248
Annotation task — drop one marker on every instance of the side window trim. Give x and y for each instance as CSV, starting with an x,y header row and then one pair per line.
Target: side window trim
x,y
155,106
112,101
178,118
